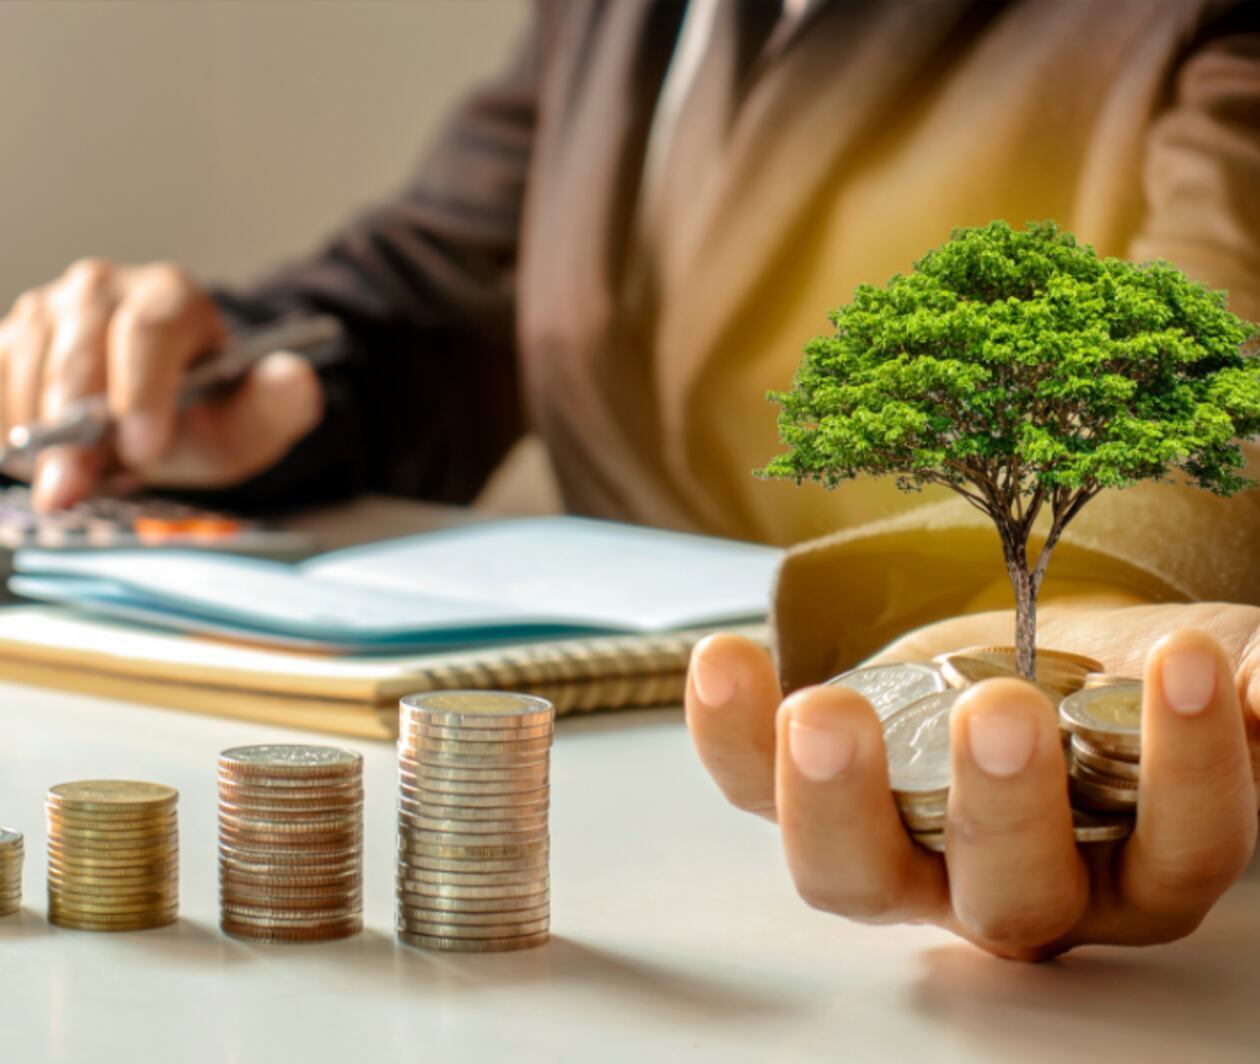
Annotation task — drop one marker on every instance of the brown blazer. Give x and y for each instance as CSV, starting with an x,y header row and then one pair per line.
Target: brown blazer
x,y
493,294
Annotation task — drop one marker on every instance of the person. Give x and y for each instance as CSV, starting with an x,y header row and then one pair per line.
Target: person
x,y
621,244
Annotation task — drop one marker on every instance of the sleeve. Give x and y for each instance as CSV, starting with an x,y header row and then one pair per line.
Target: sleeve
x,y
841,598
422,393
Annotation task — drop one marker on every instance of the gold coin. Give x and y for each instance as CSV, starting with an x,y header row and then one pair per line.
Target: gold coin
x,y
1063,658
962,671
105,911
111,836
485,945
143,923
112,855
111,795
10,840
79,901
1107,679
102,884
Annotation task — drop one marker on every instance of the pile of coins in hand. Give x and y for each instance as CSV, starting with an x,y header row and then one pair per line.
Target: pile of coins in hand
x,y
291,843
1100,721
473,842
113,855
11,854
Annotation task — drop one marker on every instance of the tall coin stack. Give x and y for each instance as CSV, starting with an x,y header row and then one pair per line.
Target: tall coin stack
x,y
11,854
1105,723
291,843
113,855
473,842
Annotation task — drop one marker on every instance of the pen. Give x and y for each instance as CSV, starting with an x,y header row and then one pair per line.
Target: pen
x,y
88,421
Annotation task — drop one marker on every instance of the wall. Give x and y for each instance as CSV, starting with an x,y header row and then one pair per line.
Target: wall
x,y
223,135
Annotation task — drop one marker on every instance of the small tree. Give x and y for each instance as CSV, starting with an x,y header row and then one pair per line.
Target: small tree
x,y
1025,373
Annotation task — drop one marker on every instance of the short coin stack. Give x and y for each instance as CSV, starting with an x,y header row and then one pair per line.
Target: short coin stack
x,y
291,843
473,842
1105,723
11,854
113,855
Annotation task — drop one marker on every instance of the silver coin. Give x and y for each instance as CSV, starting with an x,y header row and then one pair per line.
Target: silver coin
x,y
1091,827
470,709
917,742
456,810
1107,717
475,905
889,688
421,730
291,756
475,891
429,866
456,945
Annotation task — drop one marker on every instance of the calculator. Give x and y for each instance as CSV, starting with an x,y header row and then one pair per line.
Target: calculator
x,y
105,522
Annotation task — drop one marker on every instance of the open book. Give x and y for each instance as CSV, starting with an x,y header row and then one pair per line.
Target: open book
x,y
482,584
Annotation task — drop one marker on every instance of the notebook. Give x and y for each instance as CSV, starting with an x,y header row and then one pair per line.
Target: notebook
x,y
49,646
475,585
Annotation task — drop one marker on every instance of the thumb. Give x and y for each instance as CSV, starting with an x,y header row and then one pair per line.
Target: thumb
x,y
232,439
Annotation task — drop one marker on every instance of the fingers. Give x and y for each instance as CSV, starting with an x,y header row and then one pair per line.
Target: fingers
x,y
1196,822
1017,878
29,333
163,322
732,695
842,834
81,304
253,428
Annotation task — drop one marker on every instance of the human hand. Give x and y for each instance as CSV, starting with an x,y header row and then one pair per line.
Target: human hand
x,y
132,332
1012,880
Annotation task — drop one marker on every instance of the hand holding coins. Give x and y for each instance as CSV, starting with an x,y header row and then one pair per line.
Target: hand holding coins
x,y
1018,786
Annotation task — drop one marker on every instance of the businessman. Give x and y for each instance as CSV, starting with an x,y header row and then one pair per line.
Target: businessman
x,y
623,243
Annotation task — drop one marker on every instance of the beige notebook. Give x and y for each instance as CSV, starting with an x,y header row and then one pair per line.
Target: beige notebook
x,y
50,647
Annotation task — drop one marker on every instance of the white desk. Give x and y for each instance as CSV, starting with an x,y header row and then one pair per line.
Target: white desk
x,y
677,937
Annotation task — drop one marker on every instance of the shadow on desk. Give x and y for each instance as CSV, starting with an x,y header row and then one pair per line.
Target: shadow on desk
x,y
1190,1000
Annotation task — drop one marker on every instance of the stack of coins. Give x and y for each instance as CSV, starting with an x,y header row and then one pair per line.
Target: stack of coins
x,y
11,854
914,704
473,843
1106,728
291,843
113,855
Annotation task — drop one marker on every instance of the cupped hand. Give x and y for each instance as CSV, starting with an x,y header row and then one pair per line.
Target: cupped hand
x,y
131,332
1012,879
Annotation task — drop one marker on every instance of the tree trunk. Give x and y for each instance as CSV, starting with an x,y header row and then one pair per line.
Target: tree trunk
x,y
1025,624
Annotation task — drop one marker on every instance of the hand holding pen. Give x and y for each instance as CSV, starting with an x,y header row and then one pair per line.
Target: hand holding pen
x,y
125,366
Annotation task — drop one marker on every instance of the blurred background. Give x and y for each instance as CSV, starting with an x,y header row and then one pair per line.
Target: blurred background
x,y
223,135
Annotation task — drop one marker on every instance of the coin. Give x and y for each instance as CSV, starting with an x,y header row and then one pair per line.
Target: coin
x,y
10,840
478,709
477,814
535,774
475,905
1090,827
917,742
480,792
290,759
1101,792
420,729
474,892
455,878
456,751
456,945
463,828
320,933
1059,659
110,796
290,843
147,922
1108,718
1107,679
469,851
1085,754
889,688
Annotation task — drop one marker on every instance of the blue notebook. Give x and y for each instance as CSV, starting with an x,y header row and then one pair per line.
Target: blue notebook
x,y
514,580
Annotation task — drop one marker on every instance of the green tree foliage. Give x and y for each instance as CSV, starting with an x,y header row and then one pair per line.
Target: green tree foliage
x,y
1024,372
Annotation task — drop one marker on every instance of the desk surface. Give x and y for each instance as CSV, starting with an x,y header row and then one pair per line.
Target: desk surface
x,y
677,936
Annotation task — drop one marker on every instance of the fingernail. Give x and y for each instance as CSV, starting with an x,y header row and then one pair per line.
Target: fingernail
x,y
139,439
714,684
1189,678
50,485
820,753
1001,743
